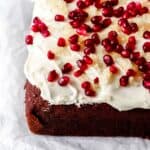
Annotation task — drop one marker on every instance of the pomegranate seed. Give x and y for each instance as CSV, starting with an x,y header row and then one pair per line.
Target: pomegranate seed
x,y
97,4
132,40
146,34
81,4
134,27
35,28
50,55
86,85
42,27
119,48
106,4
107,12
36,20
96,19
140,61
88,42
146,47
90,92
112,35
95,38
113,69
124,81
114,2
68,1
97,28
143,68
82,65
143,10
134,56
73,39
125,54
146,84
46,33
67,68
61,42
75,47
52,76
96,80
78,73
89,50
75,24
122,21
88,60
105,42
118,12
131,6
89,2
63,81
108,60
130,73
59,18
29,39
106,22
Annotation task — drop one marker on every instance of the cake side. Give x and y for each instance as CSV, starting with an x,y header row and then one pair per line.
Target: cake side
x,y
86,120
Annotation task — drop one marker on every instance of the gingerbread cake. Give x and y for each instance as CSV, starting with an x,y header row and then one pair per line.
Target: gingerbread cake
x,y
88,68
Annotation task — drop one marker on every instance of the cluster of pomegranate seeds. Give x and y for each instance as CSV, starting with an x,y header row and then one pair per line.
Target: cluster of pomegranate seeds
x,y
67,68
146,34
86,85
39,26
61,42
52,76
146,47
63,81
59,17
29,40
50,55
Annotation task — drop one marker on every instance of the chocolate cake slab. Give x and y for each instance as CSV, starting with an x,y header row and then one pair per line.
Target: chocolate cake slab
x,y
86,120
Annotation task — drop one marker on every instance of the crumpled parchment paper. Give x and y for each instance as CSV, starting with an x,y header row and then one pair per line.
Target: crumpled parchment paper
x,y
15,16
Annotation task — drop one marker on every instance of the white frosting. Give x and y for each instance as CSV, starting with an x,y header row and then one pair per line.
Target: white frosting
x,y
109,91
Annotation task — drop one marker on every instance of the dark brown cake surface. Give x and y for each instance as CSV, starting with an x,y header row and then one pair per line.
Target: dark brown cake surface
x,y
86,120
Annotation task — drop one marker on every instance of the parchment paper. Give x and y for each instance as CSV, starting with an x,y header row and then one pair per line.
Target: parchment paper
x,y
15,16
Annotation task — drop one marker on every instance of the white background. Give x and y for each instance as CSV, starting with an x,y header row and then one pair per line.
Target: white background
x,y
15,16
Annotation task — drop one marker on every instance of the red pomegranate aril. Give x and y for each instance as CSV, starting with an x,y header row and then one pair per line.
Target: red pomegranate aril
x,y
106,22
96,80
134,27
89,50
107,12
119,48
42,27
73,39
143,10
88,42
35,28
50,55
78,73
146,34
114,2
46,33
112,35
95,38
36,20
67,68
82,65
105,42
126,15
146,84
146,76
75,24
68,1
118,12
132,40
126,30
130,73
81,4
29,39
122,21
124,80
89,2
106,4
52,76
113,69
82,31
61,42
140,61
59,18
96,19
134,56
125,54
90,93
75,47
86,85
97,28
63,81
108,60
88,60
146,47
143,68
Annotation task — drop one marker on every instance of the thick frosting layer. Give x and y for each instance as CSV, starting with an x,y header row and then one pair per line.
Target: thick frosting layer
x,y
108,91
